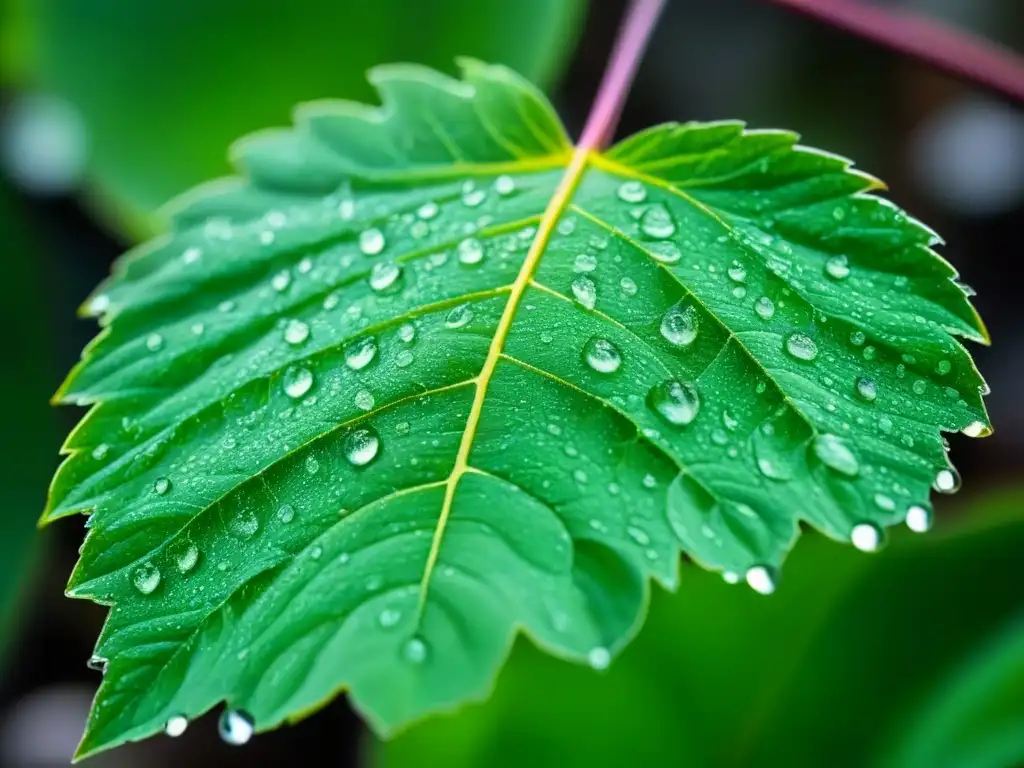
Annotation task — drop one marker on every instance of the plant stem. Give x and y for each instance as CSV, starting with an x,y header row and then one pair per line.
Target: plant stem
x,y
636,29
943,47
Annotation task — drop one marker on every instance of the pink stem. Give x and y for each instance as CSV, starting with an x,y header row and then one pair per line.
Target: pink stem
x,y
937,44
636,30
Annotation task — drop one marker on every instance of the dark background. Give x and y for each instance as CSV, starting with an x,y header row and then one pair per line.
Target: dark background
x,y
952,154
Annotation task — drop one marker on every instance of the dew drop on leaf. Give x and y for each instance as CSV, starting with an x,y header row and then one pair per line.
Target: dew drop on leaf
x,y
407,332
281,280
361,353
470,251
601,355
884,502
666,253
974,429
762,579
585,291
176,726
867,390
415,651
836,455
504,185
458,316
296,332
947,481
679,325
286,513
599,658
867,537
235,727
100,451
297,381
632,192
919,387
404,358
187,558
384,275
737,273
154,342
244,523
801,347
765,308
389,617
919,519
361,447
676,402
837,268
585,262
656,222
628,286
146,578
428,210
161,486
364,400
371,241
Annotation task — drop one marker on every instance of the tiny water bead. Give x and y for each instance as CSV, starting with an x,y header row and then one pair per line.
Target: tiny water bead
x,y
297,381
867,537
371,241
296,332
187,558
361,353
919,519
161,486
632,192
599,658
657,223
947,481
458,316
837,267
676,402
176,726
764,308
236,727
389,617
146,578
281,280
801,347
834,454
504,185
585,291
761,579
867,390
602,356
679,325
362,447
470,251
384,275
415,651
286,513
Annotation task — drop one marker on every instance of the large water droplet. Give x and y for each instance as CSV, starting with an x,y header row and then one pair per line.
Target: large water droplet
x,y
504,185
737,273
286,513
146,578
187,558
371,241
361,353
676,402
236,727
947,481
765,308
802,347
657,222
601,355
762,579
470,251
632,192
837,268
599,658
384,275
296,332
665,252
919,519
584,262
628,286
974,429
458,316
415,651
835,454
176,726
161,486
362,446
585,291
867,390
679,325
364,400
867,537
407,332
297,381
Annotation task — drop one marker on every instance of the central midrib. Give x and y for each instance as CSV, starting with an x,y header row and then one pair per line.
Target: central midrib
x,y
557,205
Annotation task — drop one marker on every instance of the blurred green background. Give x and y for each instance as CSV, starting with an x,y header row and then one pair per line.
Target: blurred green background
x,y
913,657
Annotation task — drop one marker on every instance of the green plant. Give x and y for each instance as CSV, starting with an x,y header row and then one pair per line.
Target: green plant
x,y
429,375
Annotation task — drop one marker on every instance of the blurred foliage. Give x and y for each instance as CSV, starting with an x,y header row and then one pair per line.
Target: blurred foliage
x,y
910,658
26,452
164,88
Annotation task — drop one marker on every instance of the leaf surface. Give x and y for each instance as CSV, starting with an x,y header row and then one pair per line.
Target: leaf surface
x,y
426,377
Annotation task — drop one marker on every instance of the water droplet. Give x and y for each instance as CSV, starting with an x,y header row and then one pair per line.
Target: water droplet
x,y
838,268
676,402
943,367
802,347
146,578
97,664
458,316
737,273
919,519
404,358
316,552
504,185
296,332
639,535
154,342
297,381
364,400
919,387
389,617
362,446
665,252
312,465
867,537
679,325
236,727
857,338
585,291
176,726
361,353
601,355
428,210
765,308
761,579
281,280
974,429
407,332
470,251
649,481
657,222
371,241
100,451
884,502
867,390
471,197
384,275
947,481
834,453
187,558
286,513
415,651
244,523
632,192
628,286
585,262
161,486
599,658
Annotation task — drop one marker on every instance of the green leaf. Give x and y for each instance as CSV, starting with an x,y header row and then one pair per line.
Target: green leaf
x,y
906,659
163,87
427,377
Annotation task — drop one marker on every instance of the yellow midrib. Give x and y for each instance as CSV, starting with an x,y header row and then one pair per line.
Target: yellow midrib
x,y
558,203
